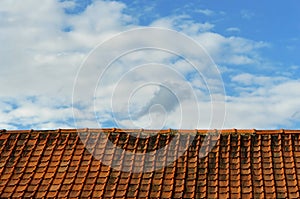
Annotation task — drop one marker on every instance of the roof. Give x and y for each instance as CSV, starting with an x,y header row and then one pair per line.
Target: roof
x,y
239,163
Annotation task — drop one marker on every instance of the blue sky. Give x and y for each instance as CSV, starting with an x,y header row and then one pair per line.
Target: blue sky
x,y
254,44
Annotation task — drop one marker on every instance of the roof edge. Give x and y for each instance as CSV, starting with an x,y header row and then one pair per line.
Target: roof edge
x,y
157,131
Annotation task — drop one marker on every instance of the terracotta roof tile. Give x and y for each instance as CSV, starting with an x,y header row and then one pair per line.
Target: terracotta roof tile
x,y
70,163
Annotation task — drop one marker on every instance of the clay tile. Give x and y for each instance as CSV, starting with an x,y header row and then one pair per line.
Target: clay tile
x,y
85,194
267,132
260,162
40,194
270,195
291,131
74,194
63,193
4,136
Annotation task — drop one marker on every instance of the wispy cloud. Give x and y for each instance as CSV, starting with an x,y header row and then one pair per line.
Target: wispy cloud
x,y
182,23
233,29
207,12
247,14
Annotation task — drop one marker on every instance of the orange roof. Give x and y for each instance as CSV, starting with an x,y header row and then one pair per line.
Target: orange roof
x,y
232,164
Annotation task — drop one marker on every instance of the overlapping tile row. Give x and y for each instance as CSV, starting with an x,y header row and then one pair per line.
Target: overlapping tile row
x,y
181,164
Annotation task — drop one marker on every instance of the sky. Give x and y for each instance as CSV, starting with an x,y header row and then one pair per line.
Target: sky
x,y
149,64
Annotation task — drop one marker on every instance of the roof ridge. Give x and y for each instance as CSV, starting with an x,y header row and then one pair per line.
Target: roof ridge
x,y
160,131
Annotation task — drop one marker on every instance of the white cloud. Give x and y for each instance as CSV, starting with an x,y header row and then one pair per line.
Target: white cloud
x,y
35,112
295,67
205,12
233,29
183,23
252,80
230,50
39,61
69,4
268,102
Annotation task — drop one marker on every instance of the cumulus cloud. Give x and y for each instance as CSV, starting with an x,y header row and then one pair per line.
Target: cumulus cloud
x,y
268,102
231,50
39,59
42,52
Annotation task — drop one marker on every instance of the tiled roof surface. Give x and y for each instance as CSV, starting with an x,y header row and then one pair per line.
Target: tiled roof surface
x,y
242,164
